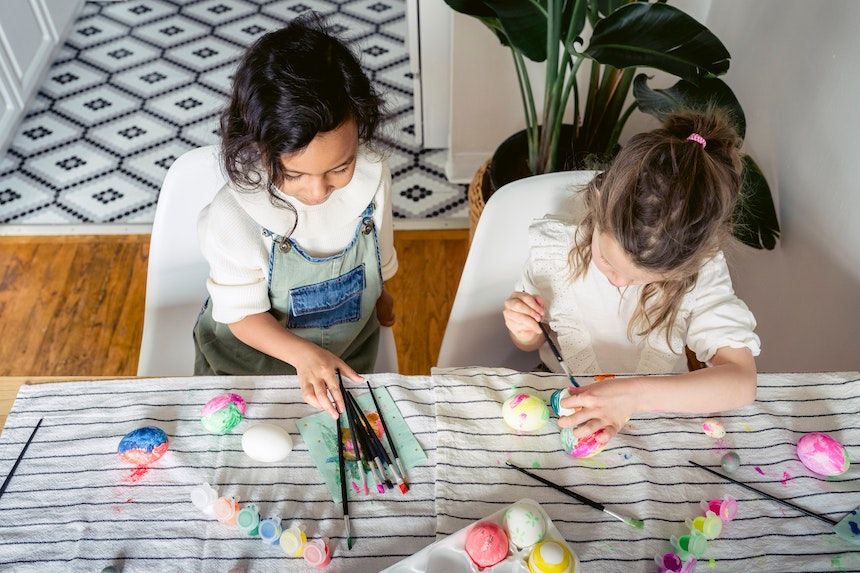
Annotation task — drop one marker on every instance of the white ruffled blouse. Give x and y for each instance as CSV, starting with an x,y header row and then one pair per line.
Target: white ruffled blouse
x,y
590,315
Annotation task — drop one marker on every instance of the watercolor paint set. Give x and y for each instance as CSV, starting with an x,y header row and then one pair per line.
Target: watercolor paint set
x,y
519,538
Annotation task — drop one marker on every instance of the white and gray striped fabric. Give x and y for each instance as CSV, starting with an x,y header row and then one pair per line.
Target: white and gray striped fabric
x,y
72,507
645,473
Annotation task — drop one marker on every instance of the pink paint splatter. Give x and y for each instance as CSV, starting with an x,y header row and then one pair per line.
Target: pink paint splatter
x,y
721,445
116,509
786,477
518,399
136,474
759,470
355,487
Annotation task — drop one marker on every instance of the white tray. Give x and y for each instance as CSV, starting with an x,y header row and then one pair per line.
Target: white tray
x,y
449,555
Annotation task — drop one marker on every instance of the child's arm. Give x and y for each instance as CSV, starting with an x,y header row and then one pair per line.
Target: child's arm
x,y
522,314
729,383
315,366
385,308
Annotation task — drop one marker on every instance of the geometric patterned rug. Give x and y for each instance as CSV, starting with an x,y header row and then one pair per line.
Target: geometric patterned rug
x,y
140,82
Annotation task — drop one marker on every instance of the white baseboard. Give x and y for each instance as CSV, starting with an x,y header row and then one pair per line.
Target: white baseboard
x,y
461,167
431,224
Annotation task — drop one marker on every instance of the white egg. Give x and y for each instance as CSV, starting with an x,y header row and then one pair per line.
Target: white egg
x,y
266,442
525,523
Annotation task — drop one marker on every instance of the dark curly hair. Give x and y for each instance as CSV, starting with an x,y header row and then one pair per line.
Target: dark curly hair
x,y
290,85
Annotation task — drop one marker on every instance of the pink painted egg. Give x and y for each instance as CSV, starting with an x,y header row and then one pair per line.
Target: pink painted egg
x,y
487,544
822,454
582,448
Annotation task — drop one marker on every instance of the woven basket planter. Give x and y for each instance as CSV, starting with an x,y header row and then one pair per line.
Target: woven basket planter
x,y
476,198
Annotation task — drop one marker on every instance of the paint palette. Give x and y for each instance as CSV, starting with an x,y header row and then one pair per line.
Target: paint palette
x,y
449,554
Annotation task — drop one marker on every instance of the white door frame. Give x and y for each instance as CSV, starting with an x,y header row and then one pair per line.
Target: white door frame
x,y
430,61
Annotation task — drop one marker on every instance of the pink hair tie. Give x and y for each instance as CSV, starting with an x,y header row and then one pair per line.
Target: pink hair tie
x,y
698,139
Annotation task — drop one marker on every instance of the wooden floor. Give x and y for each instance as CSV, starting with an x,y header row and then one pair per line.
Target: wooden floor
x,y
73,306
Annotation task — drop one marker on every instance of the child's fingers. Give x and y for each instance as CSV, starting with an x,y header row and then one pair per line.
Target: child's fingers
x,y
350,373
577,418
588,428
336,394
321,392
578,400
519,307
309,396
523,323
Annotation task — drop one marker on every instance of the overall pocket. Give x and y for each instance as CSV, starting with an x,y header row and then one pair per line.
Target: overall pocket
x,y
331,302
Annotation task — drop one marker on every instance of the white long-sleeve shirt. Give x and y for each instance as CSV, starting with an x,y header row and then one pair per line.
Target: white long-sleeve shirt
x,y
590,315
230,230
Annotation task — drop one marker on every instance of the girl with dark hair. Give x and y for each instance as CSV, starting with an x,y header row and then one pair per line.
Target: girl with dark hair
x,y
640,276
300,241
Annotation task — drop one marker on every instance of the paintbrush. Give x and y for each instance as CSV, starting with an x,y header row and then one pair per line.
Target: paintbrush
x,y
364,442
557,354
20,457
352,434
344,502
398,465
380,451
370,436
631,521
767,495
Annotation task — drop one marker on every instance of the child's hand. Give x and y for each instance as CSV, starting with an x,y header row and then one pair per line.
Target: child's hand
x,y
317,370
606,405
385,309
522,314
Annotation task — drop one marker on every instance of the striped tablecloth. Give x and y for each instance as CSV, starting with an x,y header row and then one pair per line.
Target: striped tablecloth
x,y
644,473
72,505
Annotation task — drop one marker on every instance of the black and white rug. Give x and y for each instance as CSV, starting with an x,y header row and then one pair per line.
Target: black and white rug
x,y
140,82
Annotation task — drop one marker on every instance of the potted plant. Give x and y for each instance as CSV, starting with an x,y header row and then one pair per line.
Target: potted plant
x,y
626,36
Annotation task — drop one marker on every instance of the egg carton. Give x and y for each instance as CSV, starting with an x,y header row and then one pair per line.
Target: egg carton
x,y
448,555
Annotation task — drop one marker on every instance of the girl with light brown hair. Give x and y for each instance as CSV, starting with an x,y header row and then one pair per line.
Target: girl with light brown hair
x,y
642,275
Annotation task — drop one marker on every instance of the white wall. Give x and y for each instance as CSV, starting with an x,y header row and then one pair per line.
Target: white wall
x,y
793,69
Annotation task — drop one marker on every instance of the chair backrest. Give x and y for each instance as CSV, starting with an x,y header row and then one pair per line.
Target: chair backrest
x,y
176,277
476,333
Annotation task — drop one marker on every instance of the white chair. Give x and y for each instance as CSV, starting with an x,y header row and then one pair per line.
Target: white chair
x,y
176,278
476,333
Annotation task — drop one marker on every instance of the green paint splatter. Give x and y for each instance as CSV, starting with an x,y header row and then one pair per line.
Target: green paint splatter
x,y
712,563
535,465
837,563
592,463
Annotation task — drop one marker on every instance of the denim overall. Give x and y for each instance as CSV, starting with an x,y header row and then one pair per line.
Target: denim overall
x,y
330,301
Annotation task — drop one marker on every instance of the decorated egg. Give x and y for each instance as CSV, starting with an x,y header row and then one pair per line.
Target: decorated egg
x,y
267,443
555,402
486,544
223,413
143,446
525,412
730,461
582,448
713,429
551,557
525,523
822,454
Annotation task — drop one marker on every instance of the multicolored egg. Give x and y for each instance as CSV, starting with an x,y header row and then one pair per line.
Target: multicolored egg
x,y
551,557
487,544
822,454
223,413
143,446
713,429
555,402
525,523
525,412
583,448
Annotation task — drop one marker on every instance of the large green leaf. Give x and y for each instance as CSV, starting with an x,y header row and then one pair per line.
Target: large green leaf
x,y
524,22
755,221
686,95
658,36
607,7
573,18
